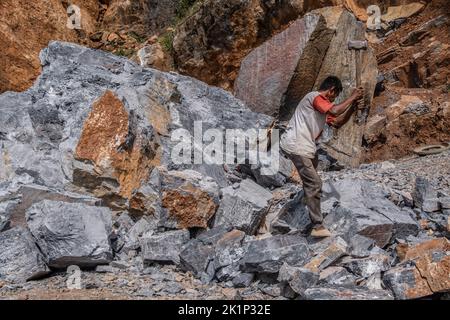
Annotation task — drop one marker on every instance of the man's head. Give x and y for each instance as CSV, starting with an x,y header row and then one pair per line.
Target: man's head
x,y
331,87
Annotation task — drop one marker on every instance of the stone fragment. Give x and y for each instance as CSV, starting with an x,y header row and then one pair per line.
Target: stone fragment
x,y
244,207
346,293
20,258
71,233
190,199
366,267
164,247
269,254
325,258
337,276
373,216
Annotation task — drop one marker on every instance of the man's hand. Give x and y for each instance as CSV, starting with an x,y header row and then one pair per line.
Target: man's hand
x,y
358,93
344,106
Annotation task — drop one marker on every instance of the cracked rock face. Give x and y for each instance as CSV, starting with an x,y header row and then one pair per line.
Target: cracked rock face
x,y
277,68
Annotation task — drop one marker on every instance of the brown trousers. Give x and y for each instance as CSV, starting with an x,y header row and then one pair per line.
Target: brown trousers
x,y
312,184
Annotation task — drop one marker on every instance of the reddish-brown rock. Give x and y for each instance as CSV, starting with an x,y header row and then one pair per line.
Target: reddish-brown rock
x,y
26,27
429,273
190,199
106,142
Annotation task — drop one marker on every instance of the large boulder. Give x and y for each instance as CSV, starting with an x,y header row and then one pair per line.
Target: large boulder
x,y
364,209
367,267
274,83
284,67
327,252
299,279
97,122
199,254
71,233
20,258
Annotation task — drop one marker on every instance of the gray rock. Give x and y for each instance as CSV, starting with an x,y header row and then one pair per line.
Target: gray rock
x,y
20,258
124,222
406,282
275,179
366,267
244,207
346,293
287,212
119,265
131,239
21,198
293,217
423,191
360,246
374,282
268,255
445,202
299,279
71,233
229,250
197,257
431,205
303,280
337,276
173,287
105,269
327,252
364,209
273,290
211,236
4,223
243,280
286,273
164,247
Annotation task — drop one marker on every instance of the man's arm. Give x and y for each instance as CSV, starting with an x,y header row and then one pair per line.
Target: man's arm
x,y
341,108
342,119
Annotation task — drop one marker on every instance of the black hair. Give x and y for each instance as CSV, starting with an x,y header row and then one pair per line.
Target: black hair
x,y
332,82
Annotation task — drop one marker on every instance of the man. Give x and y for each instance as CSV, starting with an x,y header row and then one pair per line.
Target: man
x,y
303,130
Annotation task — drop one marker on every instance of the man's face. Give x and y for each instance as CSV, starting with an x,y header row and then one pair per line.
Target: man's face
x,y
332,95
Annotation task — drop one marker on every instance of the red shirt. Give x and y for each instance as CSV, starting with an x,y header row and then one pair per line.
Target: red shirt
x,y
323,105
